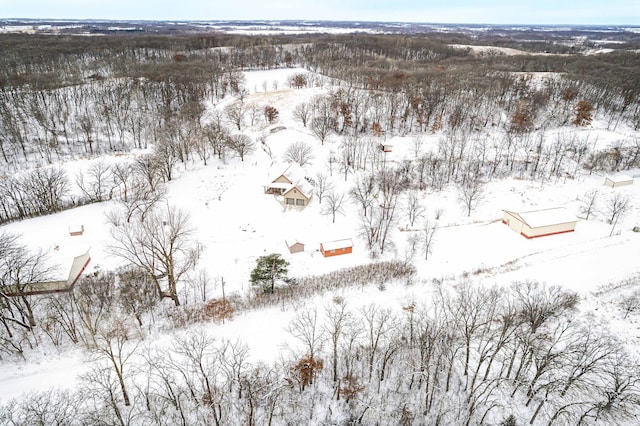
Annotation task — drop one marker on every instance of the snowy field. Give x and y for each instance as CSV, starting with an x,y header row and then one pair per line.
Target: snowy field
x,y
237,222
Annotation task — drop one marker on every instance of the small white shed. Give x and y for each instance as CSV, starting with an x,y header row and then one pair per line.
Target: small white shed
x,y
616,181
540,223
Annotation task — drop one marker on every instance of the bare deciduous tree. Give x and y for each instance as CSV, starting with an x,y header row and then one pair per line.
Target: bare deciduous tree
x,y
321,127
333,204
217,137
413,208
588,203
617,206
299,152
365,192
235,113
302,113
136,293
19,268
428,236
113,341
305,327
162,246
470,192
241,144
96,183
322,184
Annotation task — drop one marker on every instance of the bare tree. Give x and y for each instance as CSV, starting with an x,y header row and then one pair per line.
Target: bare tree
x,y
19,268
428,236
299,152
136,293
161,245
379,323
390,186
470,192
217,137
588,203
338,319
321,127
100,391
114,342
322,184
302,113
201,145
235,113
46,189
333,204
365,192
413,208
122,175
149,169
629,303
617,206
241,144
96,182
165,157
304,327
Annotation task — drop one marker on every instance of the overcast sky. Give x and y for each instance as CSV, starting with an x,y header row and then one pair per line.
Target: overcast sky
x,y
605,12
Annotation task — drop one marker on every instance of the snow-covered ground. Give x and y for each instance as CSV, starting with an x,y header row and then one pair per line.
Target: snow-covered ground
x,y
237,222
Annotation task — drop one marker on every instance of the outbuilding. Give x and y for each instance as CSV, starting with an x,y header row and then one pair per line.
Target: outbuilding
x,y
336,248
540,223
616,181
294,245
78,265
76,230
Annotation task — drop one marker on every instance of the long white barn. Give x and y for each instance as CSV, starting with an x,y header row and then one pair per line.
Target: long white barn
x,y
540,223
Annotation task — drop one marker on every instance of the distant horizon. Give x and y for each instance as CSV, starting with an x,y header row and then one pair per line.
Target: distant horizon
x,y
490,12
294,20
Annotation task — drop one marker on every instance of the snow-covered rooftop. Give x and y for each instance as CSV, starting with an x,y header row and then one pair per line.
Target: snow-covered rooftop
x,y
546,217
619,178
292,171
337,244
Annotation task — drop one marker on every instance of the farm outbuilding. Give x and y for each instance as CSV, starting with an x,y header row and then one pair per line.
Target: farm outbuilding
x,y
540,223
294,245
76,230
616,181
78,266
336,248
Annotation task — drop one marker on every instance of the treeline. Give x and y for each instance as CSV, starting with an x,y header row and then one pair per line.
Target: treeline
x,y
471,355
48,62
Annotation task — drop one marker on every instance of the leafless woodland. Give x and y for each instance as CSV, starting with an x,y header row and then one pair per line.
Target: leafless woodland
x,y
464,354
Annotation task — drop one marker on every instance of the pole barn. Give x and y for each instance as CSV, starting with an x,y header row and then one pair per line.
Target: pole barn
x,y
616,181
540,223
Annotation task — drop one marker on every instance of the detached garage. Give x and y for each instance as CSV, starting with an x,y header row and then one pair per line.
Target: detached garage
x,y
540,223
